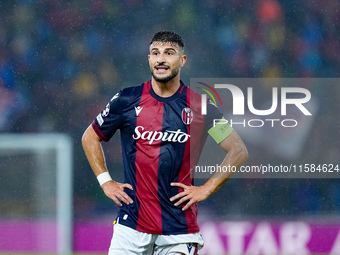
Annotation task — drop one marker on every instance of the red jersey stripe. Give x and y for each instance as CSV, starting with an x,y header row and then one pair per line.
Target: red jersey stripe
x,y
150,118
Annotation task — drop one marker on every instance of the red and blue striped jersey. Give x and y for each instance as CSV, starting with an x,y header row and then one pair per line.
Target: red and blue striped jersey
x,y
161,140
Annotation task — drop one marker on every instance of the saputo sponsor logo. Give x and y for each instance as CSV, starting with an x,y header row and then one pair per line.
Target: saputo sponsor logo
x,y
167,136
293,96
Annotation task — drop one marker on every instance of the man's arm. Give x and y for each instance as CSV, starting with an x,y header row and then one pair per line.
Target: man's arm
x,y
95,155
236,156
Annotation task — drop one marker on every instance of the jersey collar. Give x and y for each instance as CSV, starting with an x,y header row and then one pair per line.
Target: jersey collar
x,y
166,99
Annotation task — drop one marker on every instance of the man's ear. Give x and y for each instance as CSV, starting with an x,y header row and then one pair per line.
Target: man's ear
x,y
183,60
149,58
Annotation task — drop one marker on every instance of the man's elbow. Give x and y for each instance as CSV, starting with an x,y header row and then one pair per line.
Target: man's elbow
x,y
242,153
245,154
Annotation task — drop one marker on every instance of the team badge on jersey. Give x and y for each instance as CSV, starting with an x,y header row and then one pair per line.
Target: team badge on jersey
x,y
187,116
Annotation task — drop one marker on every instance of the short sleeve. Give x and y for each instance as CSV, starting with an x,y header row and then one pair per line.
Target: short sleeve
x,y
215,124
109,120
213,113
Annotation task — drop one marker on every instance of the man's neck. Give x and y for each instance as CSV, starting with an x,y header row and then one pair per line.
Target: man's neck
x,y
166,89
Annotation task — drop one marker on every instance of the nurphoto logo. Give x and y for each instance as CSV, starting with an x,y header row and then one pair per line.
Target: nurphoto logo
x,y
281,99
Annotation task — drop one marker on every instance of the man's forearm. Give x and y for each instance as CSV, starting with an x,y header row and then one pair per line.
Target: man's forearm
x,y
95,155
94,151
234,160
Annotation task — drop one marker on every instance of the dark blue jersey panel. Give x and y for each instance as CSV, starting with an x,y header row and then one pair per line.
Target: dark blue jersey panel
x,y
171,158
130,98
120,113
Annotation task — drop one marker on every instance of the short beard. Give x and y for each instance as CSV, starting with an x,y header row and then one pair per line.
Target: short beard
x,y
168,78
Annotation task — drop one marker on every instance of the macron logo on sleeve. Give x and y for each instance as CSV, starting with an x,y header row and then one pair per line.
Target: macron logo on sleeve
x,y
138,110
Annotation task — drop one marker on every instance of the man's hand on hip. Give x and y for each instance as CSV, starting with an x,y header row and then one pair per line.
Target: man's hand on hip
x,y
115,191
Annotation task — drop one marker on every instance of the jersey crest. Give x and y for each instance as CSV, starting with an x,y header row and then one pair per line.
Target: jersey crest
x,y
187,116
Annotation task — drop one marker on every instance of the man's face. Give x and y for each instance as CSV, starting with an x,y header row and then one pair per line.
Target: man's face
x,y
165,60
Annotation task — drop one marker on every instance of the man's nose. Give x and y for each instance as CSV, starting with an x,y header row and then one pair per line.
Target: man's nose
x,y
160,59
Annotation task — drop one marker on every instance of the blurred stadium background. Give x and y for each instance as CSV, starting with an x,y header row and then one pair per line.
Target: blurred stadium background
x,y
62,61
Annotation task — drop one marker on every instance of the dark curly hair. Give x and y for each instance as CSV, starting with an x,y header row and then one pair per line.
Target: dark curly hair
x,y
168,36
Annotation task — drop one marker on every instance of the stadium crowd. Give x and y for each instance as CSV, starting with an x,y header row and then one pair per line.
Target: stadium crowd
x,y
61,62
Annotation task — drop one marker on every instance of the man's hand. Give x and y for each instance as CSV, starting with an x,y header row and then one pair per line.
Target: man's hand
x,y
115,191
190,194
236,156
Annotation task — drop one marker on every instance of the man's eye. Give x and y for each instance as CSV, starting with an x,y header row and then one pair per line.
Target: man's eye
x,y
155,53
169,53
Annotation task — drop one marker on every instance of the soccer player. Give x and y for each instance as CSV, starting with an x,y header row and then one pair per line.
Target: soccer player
x,y
162,135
